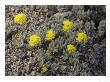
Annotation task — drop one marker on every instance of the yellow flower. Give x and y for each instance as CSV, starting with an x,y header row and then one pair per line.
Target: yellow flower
x,y
20,18
34,40
50,35
17,36
82,37
43,69
68,25
71,48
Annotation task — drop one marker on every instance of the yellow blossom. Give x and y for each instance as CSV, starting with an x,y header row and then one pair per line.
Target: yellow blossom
x,y
68,25
34,40
82,37
20,18
71,48
43,69
17,36
50,35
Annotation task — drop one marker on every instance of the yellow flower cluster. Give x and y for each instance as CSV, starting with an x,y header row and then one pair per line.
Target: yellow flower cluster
x,y
20,18
35,40
50,35
68,25
71,48
43,69
82,37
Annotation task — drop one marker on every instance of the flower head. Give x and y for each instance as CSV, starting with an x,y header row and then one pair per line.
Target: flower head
x,y
34,40
43,69
68,25
20,18
71,48
17,36
50,35
82,37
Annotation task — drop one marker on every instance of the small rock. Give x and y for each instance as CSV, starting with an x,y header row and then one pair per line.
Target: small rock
x,y
62,67
33,73
54,66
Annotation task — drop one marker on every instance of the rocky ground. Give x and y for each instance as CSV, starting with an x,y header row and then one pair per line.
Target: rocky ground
x,y
88,60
